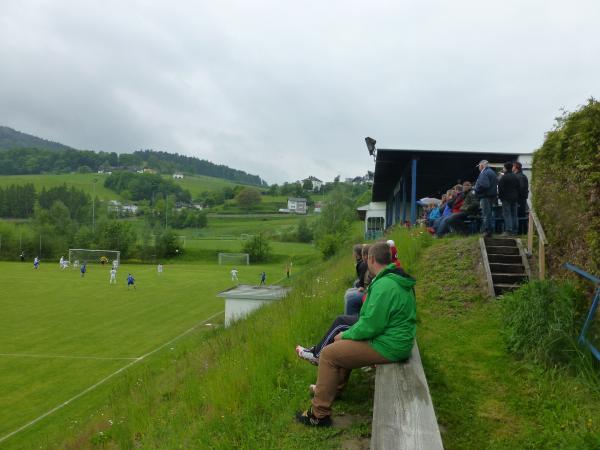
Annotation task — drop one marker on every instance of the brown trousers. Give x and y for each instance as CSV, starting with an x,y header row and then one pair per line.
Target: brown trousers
x,y
335,365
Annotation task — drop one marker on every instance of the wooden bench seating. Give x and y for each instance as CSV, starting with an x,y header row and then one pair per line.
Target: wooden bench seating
x,y
403,415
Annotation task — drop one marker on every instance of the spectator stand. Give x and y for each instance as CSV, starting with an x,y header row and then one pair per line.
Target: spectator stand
x,y
583,339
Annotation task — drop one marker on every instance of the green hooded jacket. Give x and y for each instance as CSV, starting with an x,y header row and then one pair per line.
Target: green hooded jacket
x,y
388,317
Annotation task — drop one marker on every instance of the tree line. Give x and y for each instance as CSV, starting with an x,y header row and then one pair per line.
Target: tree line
x,y
30,161
145,186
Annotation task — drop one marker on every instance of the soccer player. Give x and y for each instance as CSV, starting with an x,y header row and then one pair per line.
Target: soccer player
x,y
113,276
159,268
234,274
115,264
83,269
130,281
36,262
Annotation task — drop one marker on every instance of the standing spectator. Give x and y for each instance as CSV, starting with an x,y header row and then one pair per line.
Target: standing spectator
x,y
263,278
523,188
486,189
508,192
22,256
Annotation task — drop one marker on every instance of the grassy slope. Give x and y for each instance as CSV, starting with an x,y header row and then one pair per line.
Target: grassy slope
x,y
483,397
52,312
84,181
240,387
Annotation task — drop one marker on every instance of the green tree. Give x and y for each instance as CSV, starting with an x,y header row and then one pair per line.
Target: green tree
x,y
248,198
117,235
307,185
304,233
166,244
334,222
258,248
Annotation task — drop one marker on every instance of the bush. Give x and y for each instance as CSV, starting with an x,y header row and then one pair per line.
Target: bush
x,y
566,188
542,322
258,248
304,233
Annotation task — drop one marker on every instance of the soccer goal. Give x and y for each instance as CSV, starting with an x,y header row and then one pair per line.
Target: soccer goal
x,y
90,256
234,258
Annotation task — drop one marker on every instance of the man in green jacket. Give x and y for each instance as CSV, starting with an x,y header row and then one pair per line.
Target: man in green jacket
x,y
384,333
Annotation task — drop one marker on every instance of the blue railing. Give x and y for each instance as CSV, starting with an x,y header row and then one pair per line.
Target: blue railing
x,y
583,340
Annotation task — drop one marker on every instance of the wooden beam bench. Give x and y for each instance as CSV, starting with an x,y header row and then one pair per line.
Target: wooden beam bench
x,y
403,415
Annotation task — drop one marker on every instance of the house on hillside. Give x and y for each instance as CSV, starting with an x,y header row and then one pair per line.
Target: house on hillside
x,y
297,205
149,170
316,183
178,176
114,206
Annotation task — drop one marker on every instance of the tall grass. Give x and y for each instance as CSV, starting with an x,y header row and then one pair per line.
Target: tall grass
x,y
239,387
540,322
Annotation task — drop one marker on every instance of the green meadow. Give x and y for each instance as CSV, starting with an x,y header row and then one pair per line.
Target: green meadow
x,y
196,184
61,333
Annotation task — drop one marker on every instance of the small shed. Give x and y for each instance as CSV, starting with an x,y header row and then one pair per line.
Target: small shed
x,y
245,298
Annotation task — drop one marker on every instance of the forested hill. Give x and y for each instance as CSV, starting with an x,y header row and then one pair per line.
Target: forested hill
x,y
22,154
12,139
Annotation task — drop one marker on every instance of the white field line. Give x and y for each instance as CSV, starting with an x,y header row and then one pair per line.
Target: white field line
x,y
105,379
26,355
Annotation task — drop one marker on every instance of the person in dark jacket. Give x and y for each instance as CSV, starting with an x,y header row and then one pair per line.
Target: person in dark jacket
x,y
353,296
523,188
508,193
486,189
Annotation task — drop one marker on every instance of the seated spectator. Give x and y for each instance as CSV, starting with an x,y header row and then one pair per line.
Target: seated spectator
x,y
454,204
384,333
353,296
435,212
468,205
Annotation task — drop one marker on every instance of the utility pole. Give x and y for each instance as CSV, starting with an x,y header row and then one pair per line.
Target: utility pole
x,y
94,207
166,209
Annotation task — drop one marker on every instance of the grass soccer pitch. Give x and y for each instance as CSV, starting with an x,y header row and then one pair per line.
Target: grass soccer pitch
x,y
61,334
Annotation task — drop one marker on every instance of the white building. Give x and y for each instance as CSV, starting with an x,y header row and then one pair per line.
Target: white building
x,y
374,217
297,205
316,183
178,176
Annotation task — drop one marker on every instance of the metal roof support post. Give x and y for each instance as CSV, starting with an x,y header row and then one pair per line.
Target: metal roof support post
x,y
403,200
413,193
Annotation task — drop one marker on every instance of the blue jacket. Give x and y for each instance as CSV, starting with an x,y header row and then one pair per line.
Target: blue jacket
x,y
487,183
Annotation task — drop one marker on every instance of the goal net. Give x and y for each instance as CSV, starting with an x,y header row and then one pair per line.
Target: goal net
x,y
78,256
234,258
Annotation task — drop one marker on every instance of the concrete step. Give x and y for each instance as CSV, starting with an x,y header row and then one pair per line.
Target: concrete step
x,y
507,267
508,278
505,259
500,242
502,288
497,250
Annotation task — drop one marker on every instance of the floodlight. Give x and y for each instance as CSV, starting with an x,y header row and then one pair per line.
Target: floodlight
x,y
371,145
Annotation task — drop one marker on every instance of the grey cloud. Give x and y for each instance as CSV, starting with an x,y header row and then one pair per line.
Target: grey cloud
x,y
288,89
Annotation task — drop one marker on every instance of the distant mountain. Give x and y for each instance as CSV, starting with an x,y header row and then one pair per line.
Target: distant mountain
x,y
22,153
12,139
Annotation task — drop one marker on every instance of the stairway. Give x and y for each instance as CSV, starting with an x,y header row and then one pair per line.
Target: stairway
x,y
505,264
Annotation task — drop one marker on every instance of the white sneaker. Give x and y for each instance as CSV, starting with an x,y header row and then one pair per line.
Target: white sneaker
x,y
306,355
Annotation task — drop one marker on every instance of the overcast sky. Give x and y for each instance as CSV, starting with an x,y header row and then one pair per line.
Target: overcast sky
x,y
288,89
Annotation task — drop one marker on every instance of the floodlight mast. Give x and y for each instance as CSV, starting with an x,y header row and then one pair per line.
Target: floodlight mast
x,y
371,145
